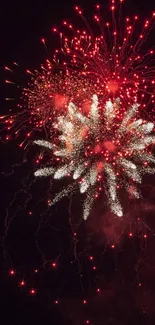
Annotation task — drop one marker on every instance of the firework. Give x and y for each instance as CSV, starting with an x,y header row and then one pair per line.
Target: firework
x,y
46,96
111,60
114,58
102,138
49,93
103,151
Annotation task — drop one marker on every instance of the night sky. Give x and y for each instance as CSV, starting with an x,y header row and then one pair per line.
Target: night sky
x,y
98,272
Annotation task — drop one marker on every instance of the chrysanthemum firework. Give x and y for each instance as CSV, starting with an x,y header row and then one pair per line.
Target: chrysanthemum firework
x,y
104,150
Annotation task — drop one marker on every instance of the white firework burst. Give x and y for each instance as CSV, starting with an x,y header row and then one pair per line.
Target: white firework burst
x,y
105,150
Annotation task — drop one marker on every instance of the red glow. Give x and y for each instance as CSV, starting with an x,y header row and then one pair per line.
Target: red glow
x,y
22,283
97,148
12,272
86,106
69,146
33,292
113,86
100,166
109,146
60,101
54,265
84,131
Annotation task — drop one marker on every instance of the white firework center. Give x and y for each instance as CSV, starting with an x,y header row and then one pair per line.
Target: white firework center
x,y
75,130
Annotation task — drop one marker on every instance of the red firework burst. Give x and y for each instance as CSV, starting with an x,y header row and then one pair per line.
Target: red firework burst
x,y
111,60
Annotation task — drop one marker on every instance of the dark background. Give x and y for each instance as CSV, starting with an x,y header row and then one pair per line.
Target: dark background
x,y
125,274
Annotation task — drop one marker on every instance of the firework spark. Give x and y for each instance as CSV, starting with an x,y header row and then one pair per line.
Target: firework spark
x,y
103,151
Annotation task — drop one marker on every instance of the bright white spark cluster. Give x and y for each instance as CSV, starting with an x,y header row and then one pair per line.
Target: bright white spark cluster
x,y
104,150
